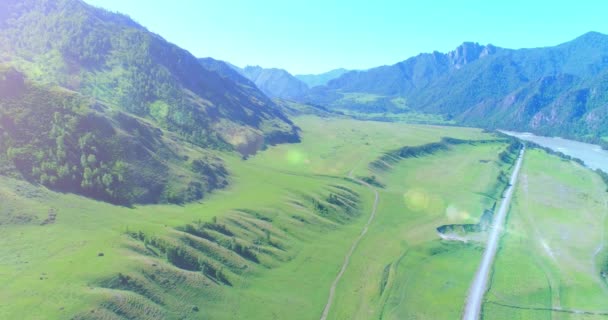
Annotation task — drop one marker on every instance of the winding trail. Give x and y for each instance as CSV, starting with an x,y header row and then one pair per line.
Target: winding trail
x,y
332,289
472,309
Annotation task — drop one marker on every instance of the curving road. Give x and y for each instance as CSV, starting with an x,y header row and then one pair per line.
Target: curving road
x,y
472,309
332,290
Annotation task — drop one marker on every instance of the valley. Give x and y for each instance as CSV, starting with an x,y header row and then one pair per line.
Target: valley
x,y
417,193
140,180
271,188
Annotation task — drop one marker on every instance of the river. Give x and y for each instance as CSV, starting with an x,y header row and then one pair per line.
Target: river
x,y
593,155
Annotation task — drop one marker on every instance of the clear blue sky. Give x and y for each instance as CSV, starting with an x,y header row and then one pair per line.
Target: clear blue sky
x,y
318,35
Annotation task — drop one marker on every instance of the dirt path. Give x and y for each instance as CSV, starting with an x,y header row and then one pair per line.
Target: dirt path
x,y
332,289
472,309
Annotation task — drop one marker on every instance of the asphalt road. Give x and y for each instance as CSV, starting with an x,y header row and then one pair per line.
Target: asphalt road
x,y
472,310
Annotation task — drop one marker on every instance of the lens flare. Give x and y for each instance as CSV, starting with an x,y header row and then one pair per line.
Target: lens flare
x,y
454,214
296,157
417,200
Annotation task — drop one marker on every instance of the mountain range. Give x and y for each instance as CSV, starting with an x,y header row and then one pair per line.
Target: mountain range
x,y
558,90
279,83
275,82
313,80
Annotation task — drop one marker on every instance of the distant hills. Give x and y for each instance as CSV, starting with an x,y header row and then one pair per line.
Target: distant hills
x,y
276,83
558,90
111,99
313,80
279,83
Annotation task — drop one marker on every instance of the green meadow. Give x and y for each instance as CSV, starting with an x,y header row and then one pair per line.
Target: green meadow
x,y
268,246
403,270
549,263
271,244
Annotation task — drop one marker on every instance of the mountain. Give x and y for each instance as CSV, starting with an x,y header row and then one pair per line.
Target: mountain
x,y
95,104
113,59
387,88
229,71
412,74
552,90
313,80
276,83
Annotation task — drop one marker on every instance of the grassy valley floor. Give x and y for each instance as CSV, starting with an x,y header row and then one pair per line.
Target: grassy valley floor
x,y
549,263
403,270
268,246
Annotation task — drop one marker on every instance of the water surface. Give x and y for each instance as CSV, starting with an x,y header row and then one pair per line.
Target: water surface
x,y
593,155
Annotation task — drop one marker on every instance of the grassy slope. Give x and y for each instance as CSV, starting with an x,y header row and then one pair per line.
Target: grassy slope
x,y
546,258
64,254
66,251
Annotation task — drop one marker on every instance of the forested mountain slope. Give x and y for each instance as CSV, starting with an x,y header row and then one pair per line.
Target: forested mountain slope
x,y
93,103
553,90
113,59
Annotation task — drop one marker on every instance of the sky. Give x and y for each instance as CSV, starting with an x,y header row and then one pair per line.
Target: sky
x,y
315,36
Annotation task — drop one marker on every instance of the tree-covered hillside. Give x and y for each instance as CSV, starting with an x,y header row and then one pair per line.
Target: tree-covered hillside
x,y
93,103
113,59
70,142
